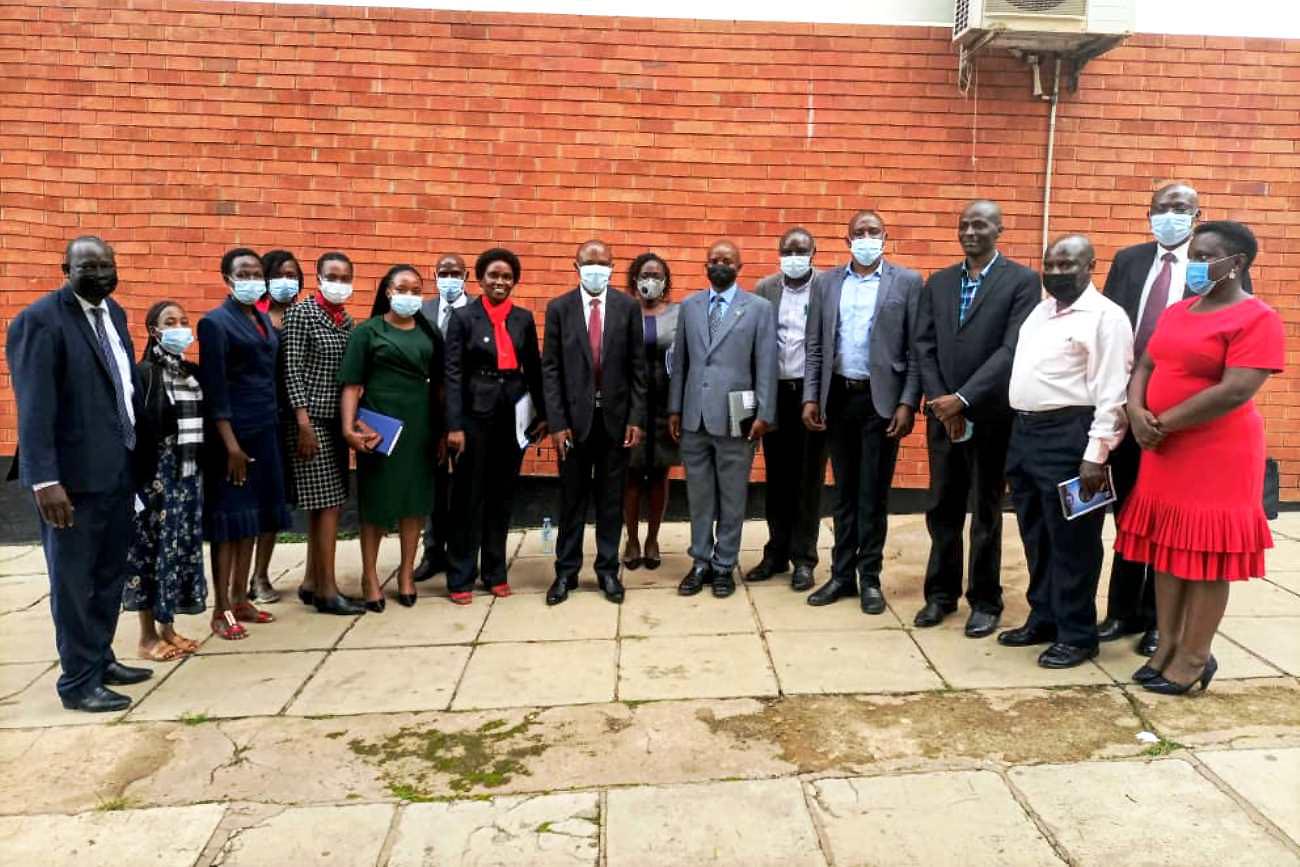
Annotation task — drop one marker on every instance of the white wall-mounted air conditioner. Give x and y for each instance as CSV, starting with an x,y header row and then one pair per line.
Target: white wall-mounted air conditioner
x,y
1042,26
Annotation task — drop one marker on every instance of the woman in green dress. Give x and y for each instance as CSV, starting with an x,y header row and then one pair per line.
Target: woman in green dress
x,y
393,366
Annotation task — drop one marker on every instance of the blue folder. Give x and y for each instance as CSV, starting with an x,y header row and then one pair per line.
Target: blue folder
x,y
385,425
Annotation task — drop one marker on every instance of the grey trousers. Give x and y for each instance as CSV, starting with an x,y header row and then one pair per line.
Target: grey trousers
x,y
717,483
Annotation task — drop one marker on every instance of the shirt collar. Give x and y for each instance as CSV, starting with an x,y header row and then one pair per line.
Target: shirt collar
x,y
727,295
983,271
86,306
1089,301
587,297
874,275
1180,252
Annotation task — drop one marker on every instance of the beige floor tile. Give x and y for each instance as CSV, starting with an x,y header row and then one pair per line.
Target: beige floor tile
x,y
160,836
755,823
19,592
22,560
780,608
663,611
893,820
1289,581
755,535
27,636
328,836
16,677
288,561
975,663
1119,661
382,680
39,703
126,642
1097,812
296,627
433,620
1265,778
229,685
672,569
527,617
537,831
1276,639
531,544
347,564
533,574
1261,599
538,675
694,666
837,662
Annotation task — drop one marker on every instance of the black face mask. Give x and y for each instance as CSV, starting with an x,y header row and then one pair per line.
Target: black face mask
x,y
94,287
722,276
1064,288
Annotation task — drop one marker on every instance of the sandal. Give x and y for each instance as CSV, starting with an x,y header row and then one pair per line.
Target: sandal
x,y
500,591
228,628
183,644
161,652
463,598
247,612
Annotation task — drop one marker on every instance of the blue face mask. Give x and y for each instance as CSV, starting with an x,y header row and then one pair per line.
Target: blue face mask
x,y
175,340
405,305
867,250
282,289
1199,281
451,288
248,291
1171,228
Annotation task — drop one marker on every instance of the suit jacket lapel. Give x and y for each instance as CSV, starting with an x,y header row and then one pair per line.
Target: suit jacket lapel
x,y
82,324
739,302
578,315
989,285
886,281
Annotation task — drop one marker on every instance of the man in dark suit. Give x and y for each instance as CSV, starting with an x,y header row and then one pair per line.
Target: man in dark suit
x,y
594,383
968,321
73,374
864,384
1145,279
794,457
450,274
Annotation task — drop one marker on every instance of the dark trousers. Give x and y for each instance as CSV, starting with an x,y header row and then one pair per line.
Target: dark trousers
x,y
482,492
435,532
795,462
1132,594
957,471
596,466
1064,557
87,568
863,461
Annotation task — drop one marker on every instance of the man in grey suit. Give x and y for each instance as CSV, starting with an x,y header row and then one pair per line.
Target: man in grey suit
x,y
437,308
725,345
862,384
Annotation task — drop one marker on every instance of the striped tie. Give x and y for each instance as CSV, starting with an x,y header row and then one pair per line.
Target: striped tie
x,y
123,417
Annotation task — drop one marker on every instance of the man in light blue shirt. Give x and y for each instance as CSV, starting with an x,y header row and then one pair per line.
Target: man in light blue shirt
x,y
858,294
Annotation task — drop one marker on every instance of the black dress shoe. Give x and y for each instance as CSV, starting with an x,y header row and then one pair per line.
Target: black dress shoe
x,y
1149,643
1113,628
559,589
982,623
376,605
695,580
1145,674
306,597
724,583
763,571
1167,687
802,579
339,604
1027,635
873,600
407,600
932,614
97,700
611,587
117,674
833,590
1065,656
429,567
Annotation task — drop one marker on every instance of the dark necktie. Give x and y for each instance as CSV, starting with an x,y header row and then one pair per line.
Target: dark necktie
x,y
1157,300
444,314
715,317
128,429
593,334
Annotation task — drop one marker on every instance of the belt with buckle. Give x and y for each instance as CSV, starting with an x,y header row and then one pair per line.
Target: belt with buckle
x,y
1060,412
851,384
790,384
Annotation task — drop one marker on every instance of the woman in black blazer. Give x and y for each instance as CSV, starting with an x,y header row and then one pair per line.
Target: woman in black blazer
x,y
492,363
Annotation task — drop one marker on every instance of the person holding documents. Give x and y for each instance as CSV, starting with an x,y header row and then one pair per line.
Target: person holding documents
x,y
494,399
389,414
722,399
1069,382
594,380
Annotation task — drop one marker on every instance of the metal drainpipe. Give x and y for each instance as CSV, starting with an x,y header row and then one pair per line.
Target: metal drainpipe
x,y
1051,152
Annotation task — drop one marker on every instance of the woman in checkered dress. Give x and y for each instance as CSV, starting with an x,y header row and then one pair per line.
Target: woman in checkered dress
x,y
316,334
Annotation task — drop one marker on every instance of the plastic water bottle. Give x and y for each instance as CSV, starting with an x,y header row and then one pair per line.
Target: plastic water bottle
x,y
548,539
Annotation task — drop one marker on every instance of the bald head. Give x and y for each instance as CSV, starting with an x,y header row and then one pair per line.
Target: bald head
x,y
450,265
978,230
86,245
594,252
722,265
1076,246
985,208
1172,194
725,250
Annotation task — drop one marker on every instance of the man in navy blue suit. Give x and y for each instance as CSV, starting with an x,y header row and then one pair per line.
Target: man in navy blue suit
x,y
70,360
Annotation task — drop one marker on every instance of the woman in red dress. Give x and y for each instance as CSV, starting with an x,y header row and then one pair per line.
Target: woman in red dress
x,y
1197,514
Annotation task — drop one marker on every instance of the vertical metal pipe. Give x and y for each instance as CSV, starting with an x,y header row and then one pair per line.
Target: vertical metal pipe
x,y
1051,153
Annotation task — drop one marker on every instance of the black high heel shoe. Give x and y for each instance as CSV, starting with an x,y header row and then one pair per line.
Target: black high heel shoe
x,y
1168,687
338,604
376,605
306,597
1145,674
406,600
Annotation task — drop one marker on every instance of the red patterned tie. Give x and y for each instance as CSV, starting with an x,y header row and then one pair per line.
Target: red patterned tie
x,y
593,334
1157,301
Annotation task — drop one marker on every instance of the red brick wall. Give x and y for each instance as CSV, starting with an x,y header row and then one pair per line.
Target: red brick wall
x,y
178,129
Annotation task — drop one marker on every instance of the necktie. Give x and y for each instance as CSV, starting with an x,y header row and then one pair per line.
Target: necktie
x,y
128,429
593,334
1157,300
444,314
715,317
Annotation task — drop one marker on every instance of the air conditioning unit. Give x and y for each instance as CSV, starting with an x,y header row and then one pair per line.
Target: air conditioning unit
x,y
1070,27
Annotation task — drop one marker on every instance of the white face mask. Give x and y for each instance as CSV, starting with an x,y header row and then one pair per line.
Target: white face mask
x,y
795,267
451,288
594,278
335,293
282,289
1171,228
650,288
866,250
405,305
248,291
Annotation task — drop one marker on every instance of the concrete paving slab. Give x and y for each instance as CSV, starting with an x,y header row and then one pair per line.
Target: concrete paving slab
x,y
23,591
1098,812
27,636
694,666
893,820
229,685
39,704
538,675
126,641
1261,599
761,823
22,560
165,836
538,831
1289,581
433,622
333,836
754,536
533,574
659,612
16,677
1276,639
780,608
883,660
674,566
1243,713
1119,661
296,627
531,544
382,680
976,663
1266,778
347,563
527,617
288,563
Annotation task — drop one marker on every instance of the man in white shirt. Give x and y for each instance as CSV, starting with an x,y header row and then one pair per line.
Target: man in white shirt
x,y
1069,384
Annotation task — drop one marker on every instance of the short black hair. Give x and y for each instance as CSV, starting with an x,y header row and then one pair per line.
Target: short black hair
x,y
634,270
497,254
150,319
228,260
85,239
332,256
272,260
381,304
1237,237
791,232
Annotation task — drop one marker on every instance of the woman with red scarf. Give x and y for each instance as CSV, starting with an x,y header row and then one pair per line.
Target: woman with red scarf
x,y
492,364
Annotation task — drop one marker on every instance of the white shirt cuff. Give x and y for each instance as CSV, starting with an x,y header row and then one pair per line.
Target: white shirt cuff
x,y
1097,452
965,402
39,485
